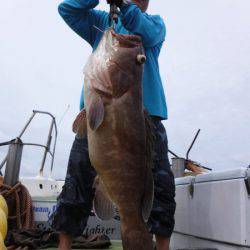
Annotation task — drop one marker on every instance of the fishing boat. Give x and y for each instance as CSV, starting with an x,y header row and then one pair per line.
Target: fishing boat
x,y
213,208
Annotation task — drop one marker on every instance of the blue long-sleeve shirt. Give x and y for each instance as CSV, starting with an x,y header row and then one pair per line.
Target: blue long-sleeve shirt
x,y
81,16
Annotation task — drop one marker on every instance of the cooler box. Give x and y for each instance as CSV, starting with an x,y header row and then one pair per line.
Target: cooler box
x,y
215,206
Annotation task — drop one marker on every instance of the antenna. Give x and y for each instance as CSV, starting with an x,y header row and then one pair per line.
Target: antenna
x,y
64,114
192,144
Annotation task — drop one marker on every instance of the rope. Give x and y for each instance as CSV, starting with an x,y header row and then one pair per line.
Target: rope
x,y
20,206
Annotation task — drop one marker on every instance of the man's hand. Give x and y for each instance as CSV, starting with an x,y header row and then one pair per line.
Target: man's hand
x,y
118,3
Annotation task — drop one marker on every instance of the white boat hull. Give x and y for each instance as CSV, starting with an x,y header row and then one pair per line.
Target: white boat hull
x,y
213,210
44,193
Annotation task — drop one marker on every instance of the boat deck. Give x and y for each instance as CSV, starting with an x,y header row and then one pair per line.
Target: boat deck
x,y
117,245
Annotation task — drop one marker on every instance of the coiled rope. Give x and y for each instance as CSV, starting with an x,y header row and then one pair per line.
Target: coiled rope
x,y
20,206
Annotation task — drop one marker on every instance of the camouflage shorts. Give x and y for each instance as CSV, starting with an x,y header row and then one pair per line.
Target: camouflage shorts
x,y
161,221
75,202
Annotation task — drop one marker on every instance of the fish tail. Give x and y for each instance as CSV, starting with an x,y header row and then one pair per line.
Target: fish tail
x,y
136,238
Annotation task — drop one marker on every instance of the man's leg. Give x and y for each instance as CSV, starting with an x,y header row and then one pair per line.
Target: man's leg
x,y
65,242
161,221
75,201
162,243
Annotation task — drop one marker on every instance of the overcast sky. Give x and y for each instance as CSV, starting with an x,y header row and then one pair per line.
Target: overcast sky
x,y
205,67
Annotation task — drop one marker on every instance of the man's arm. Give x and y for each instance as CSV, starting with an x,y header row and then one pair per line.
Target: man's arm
x,y
150,28
81,16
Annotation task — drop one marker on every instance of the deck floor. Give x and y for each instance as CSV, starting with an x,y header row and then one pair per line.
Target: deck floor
x,y
115,246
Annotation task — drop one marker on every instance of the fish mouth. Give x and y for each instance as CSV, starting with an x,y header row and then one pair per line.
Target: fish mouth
x,y
112,66
127,41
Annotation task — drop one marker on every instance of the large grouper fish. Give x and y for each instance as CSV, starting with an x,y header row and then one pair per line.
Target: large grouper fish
x,y
117,135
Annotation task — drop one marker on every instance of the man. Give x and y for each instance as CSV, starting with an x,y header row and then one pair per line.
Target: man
x,y
75,201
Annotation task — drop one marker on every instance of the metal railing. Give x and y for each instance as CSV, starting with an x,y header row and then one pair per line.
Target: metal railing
x,y
47,147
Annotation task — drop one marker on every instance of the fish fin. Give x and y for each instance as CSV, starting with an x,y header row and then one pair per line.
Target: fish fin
x,y
96,112
149,182
150,138
148,196
103,206
79,126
